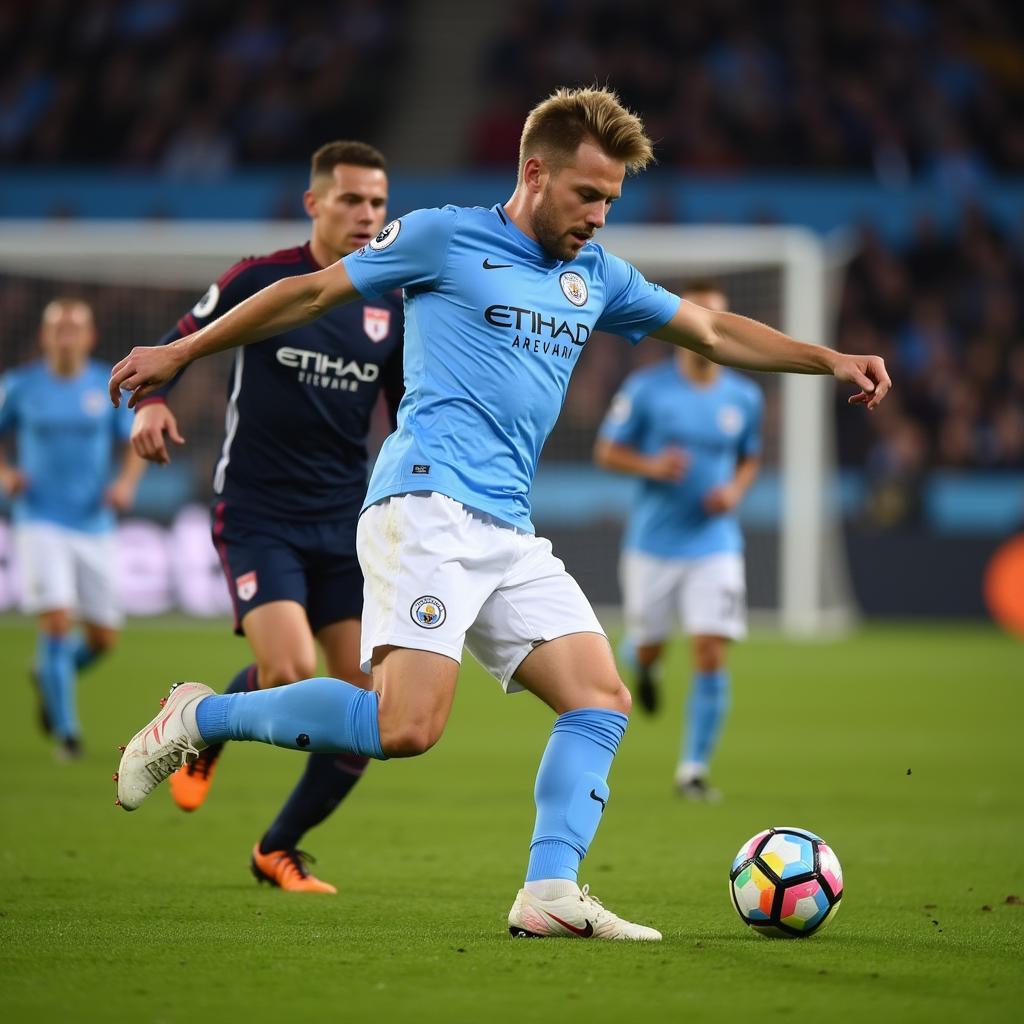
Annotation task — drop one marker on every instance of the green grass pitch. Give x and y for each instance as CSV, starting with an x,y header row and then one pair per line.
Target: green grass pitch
x,y
900,745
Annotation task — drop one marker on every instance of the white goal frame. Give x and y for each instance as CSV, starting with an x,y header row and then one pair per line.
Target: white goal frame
x,y
191,254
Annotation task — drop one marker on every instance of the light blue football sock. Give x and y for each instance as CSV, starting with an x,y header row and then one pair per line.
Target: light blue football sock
x,y
705,713
320,715
572,790
57,679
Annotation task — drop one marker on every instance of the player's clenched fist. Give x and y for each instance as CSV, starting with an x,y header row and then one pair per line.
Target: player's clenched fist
x,y
142,371
153,424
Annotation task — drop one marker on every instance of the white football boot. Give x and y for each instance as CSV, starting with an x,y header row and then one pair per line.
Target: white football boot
x,y
576,915
169,741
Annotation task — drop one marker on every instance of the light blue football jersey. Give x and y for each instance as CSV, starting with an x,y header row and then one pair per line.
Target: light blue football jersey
x,y
493,329
66,433
716,424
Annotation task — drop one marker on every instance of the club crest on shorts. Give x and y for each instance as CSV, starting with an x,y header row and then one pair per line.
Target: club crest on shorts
x,y
574,288
246,586
386,236
376,323
427,612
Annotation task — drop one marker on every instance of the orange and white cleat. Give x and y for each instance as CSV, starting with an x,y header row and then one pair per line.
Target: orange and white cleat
x,y
190,784
287,870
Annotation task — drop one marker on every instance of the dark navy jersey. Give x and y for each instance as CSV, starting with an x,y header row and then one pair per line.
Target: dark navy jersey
x,y
300,403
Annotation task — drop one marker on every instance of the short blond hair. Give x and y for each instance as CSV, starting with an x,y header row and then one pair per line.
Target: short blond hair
x,y
555,128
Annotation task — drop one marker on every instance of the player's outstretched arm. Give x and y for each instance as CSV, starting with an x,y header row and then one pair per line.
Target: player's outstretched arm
x,y
734,340
290,302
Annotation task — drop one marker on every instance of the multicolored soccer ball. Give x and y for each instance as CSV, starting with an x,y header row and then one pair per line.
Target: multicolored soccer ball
x,y
786,883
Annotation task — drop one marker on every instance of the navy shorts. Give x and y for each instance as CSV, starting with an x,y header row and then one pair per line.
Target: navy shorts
x,y
272,560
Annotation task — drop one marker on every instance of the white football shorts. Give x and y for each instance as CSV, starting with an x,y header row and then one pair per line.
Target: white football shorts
x,y
707,596
68,569
440,576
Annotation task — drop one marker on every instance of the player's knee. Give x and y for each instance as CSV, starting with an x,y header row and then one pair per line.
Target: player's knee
x,y
284,671
623,699
56,623
408,739
709,653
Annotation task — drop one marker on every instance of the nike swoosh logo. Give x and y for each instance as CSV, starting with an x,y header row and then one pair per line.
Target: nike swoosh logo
x,y
594,796
583,933
488,265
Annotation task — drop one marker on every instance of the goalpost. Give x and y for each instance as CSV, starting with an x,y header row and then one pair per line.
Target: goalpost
x,y
148,273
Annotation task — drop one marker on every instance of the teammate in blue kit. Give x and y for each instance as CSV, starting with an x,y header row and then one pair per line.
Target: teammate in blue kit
x,y
291,480
692,432
64,505
499,304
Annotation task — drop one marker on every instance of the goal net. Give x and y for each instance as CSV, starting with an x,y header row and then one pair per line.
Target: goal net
x,y
142,276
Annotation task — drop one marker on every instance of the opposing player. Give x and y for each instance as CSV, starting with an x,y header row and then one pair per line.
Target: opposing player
x,y
65,498
692,432
499,304
290,482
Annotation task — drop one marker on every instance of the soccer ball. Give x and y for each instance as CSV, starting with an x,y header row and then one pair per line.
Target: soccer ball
x,y
786,883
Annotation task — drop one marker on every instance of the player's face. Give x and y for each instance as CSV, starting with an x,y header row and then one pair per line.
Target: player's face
x,y
348,208
574,201
67,336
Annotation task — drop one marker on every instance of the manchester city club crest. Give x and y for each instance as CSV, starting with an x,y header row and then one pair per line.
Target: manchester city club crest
x,y
574,287
730,420
386,236
427,612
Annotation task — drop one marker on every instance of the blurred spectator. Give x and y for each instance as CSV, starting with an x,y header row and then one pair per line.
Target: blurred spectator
x,y
948,315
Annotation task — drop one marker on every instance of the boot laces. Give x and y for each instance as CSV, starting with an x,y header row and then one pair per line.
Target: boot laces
x,y
174,755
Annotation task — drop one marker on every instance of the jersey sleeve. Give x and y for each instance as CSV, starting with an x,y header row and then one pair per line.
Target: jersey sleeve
x,y
410,252
750,440
625,420
231,288
634,307
8,407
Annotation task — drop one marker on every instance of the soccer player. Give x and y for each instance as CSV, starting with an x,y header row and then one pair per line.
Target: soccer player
x,y
499,304
64,505
291,480
692,432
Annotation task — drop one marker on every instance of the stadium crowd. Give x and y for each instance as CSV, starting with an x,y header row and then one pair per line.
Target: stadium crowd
x,y
900,88
190,87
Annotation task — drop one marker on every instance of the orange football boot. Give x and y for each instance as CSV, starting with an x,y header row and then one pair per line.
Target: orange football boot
x,y
191,782
287,870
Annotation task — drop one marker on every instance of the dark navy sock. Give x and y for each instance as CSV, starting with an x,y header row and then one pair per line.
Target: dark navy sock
x,y
327,780
244,681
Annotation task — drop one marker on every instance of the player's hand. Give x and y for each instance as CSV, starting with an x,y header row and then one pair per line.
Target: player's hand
x,y
142,371
721,499
120,495
868,373
12,481
152,423
669,465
